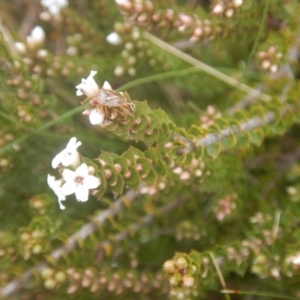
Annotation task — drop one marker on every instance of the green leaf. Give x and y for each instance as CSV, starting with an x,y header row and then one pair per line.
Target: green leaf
x,y
108,157
134,180
164,134
145,166
153,121
118,186
160,167
122,162
151,177
151,153
132,154
141,108
113,174
150,139
213,150
256,136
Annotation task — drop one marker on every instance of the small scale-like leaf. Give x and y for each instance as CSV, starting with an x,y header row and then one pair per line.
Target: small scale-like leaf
x,y
107,157
122,162
141,108
151,136
153,121
143,166
118,186
132,154
256,136
197,131
151,153
160,167
151,177
110,173
164,134
132,179
213,150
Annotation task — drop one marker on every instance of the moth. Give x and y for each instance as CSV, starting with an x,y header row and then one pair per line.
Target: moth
x,y
114,104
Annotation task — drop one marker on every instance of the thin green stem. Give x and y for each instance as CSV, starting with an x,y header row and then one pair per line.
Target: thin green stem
x,y
221,278
205,68
264,294
12,120
260,30
41,128
159,76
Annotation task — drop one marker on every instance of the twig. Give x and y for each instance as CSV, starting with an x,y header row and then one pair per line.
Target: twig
x,y
85,231
245,126
72,242
202,66
220,275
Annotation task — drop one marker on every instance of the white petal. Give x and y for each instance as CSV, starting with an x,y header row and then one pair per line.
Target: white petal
x,y
82,170
70,158
61,206
106,86
82,193
79,92
68,188
56,160
96,117
68,175
50,181
114,39
72,142
91,182
55,185
88,86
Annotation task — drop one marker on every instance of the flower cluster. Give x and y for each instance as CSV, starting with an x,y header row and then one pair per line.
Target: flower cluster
x,y
180,272
33,41
269,59
77,181
54,6
225,206
105,103
144,14
226,7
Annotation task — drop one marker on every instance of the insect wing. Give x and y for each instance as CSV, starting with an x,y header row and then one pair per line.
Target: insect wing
x,y
113,99
102,97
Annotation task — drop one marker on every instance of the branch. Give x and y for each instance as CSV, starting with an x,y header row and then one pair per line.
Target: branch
x,y
84,232
202,66
245,126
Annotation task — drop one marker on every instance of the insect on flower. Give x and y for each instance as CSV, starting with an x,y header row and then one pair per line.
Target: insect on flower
x,y
105,103
114,104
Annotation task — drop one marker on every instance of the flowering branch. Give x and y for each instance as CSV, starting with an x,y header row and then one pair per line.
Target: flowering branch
x,y
72,242
85,231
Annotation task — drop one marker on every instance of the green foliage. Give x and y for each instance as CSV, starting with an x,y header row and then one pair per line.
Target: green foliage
x,y
187,181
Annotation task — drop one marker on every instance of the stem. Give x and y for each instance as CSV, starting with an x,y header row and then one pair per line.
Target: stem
x,y
222,281
264,294
260,30
203,67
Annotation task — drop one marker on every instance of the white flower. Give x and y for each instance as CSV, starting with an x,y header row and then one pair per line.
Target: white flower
x,y
114,39
20,47
69,156
106,85
36,37
88,86
54,6
97,116
55,185
79,182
